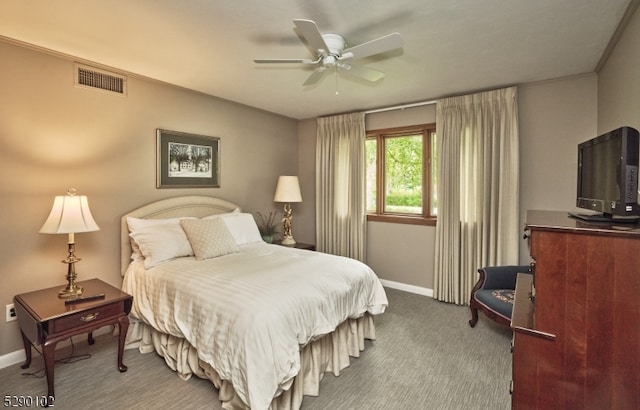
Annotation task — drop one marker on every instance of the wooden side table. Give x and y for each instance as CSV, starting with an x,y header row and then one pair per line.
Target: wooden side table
x,y
299,245
45,319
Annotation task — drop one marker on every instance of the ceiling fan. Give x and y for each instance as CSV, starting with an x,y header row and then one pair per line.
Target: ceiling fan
x,y
330,51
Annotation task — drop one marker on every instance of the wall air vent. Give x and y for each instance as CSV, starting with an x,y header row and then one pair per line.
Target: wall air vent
x,y
94,78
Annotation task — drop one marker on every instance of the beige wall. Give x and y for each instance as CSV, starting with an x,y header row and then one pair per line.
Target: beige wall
x,y
619,82
54,136
399,253
554,117
304,225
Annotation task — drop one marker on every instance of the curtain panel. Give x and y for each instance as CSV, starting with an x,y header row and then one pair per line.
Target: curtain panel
x,y
478,189
341,185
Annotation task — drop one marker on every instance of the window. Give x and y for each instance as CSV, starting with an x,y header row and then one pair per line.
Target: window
x,y
401,175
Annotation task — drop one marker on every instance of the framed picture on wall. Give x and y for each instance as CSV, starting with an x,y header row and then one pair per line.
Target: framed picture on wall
x,y
187,160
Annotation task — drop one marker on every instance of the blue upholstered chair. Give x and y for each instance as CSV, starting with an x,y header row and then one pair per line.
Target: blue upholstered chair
x,y
494,293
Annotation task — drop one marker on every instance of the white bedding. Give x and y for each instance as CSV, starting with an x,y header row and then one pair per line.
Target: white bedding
x,y
249,313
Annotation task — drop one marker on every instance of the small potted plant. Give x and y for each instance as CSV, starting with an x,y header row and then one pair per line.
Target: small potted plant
x,y
268,226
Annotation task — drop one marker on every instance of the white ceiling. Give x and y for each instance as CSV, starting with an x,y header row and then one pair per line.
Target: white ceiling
x,y
451,46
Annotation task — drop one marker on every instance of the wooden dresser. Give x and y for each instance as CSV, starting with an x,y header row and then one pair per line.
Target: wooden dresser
x,y
576,339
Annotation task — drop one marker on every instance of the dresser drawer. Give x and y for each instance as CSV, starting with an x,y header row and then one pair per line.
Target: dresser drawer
x,y
85,317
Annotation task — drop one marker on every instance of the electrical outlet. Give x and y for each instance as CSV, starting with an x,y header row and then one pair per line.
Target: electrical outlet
x,y
11,313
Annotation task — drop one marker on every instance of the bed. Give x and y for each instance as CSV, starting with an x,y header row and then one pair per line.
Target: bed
x,y
262,322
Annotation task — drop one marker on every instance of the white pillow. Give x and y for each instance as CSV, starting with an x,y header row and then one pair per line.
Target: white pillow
x,y
159,240
243,227
209,238
137,223
214,216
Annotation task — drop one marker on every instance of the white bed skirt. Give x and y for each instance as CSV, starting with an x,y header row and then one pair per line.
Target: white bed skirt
x,y
330,353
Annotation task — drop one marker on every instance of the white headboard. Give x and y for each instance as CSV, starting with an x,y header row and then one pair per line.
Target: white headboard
x,y
192,205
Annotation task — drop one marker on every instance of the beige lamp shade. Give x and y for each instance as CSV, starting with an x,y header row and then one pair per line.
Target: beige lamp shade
x,y
70,214
288,189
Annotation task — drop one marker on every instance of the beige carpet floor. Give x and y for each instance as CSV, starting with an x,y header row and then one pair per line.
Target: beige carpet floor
x,y
425,357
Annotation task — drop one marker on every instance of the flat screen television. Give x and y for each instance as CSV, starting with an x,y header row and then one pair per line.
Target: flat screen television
x,y
608,177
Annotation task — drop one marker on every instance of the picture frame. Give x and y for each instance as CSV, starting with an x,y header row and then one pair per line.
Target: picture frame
x,y
187,160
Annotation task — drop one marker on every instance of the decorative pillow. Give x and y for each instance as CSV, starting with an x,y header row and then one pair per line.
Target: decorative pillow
x,y
209,238
243,227
161,242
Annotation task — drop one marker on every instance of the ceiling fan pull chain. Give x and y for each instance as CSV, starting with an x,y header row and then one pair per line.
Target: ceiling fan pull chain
x,y
337,80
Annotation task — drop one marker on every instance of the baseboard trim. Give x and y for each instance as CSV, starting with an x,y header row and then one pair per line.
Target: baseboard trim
x,y
407,288
12,358
19,356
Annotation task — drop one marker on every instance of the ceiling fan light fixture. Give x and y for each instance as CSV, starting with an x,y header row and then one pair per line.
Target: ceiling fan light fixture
x,y
330,50
329,60
334,42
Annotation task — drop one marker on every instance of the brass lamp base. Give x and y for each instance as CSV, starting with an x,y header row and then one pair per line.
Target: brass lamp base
x,y
71,290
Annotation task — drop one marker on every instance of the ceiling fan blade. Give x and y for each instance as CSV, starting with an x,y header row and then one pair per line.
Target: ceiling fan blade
x,y
316,76
379,45
309,30
363,72
285,60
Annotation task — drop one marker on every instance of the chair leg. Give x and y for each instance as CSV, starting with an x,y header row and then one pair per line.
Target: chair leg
x,y
472,303
474,315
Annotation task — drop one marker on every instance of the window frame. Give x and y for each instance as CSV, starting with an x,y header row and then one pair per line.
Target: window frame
x,y
381,135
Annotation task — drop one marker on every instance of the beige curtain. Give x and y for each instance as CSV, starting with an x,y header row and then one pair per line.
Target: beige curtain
x,y
477,189
340,185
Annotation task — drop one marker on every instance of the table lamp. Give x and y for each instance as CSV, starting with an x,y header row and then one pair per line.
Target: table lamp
x,y
287,191
70,214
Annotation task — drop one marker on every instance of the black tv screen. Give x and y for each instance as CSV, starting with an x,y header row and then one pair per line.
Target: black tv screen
x,y
608,175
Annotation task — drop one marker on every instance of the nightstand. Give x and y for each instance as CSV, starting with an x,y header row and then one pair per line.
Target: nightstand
x,y
298,245
45,319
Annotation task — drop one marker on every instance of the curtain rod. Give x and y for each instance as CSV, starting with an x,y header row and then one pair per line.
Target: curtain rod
x,y
400,107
